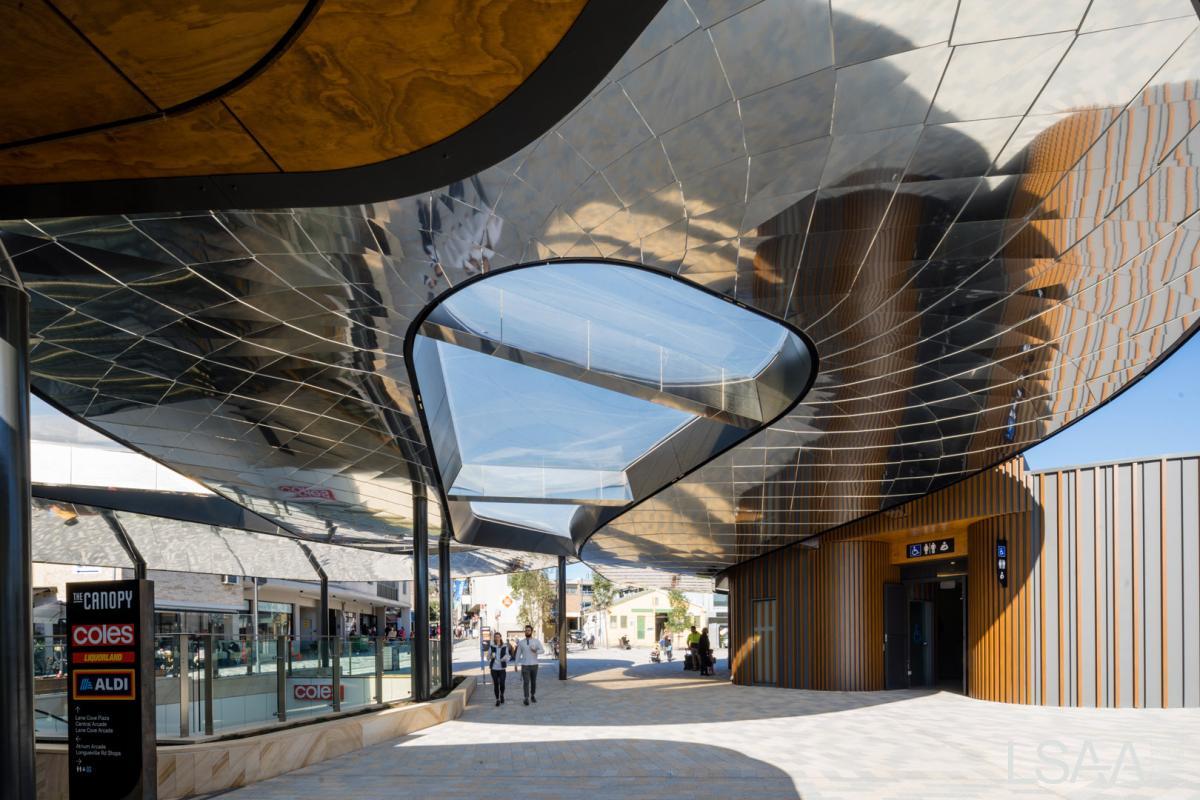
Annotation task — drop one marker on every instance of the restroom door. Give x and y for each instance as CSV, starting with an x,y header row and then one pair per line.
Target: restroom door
x,y
922,638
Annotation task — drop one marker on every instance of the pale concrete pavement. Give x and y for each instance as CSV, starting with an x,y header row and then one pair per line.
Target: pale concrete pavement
x,y
623,727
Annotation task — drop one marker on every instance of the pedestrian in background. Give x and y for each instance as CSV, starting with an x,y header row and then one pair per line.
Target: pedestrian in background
x,y
498,657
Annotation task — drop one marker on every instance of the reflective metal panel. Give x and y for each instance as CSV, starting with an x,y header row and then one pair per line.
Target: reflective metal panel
x,y
1013,249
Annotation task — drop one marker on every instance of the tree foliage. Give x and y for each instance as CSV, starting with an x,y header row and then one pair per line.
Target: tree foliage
x,y
535,594
603,592
677,615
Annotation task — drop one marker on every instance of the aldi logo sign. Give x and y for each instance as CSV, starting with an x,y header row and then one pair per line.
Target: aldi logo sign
x,y
103,684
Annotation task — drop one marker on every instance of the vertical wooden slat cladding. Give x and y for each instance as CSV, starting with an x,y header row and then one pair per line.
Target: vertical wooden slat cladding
x,y
1102,606
999,627
831,631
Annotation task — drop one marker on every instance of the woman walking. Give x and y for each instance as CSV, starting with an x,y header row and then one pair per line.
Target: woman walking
x,y
498,655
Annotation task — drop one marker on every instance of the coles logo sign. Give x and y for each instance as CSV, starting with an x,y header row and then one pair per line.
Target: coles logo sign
x,y
102,635
321,692
308,492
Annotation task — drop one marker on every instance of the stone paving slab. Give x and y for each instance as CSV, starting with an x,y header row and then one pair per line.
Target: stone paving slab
x,y
624,728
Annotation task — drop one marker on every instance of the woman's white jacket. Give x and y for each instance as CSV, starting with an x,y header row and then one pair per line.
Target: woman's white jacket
x,y
498,656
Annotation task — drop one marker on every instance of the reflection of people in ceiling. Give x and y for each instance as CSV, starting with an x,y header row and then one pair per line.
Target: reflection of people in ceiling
x,y
458,231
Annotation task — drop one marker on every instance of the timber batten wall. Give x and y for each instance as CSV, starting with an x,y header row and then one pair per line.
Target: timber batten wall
x,y
1102,606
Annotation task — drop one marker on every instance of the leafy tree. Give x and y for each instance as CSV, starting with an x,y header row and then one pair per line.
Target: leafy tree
x,y
434,609
677,615
603,594
536,595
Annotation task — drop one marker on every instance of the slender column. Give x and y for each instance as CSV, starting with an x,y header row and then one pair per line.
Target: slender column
x,y
252,643
16,592
122,536
323,623
420,598
445,612
562,618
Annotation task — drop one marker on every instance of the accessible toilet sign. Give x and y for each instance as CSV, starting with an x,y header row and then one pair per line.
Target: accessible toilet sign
x,y
1002,562
110,690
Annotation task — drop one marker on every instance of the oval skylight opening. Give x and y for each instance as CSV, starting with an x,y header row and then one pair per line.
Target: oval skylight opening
x,y
589,386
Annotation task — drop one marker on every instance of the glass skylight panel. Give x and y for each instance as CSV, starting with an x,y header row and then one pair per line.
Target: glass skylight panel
x,y
546,483
617,319
512,415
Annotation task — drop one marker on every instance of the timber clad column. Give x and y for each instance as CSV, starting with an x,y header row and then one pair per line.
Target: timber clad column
x,y
999,620
16,593
420,598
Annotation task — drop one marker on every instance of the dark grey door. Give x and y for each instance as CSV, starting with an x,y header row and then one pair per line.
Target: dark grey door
x,y
921,643
895,635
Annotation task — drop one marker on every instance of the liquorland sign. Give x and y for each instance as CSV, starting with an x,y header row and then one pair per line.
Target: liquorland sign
x,y
110,680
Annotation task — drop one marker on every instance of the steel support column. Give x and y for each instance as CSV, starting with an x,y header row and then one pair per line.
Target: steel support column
x,y
16,593
420,598
126,543
445,594
323,631
562,618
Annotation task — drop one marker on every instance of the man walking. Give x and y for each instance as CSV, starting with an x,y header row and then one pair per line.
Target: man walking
x,y
528,650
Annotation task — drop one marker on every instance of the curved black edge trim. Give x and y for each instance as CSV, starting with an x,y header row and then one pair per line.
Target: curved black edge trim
x,y
410,338
1155,364
238,81
591,47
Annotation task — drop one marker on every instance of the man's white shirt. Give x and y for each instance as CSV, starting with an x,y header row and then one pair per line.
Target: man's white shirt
x,y
527,652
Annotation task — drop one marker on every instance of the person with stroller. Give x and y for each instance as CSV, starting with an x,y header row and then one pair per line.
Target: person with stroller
x,y
704,652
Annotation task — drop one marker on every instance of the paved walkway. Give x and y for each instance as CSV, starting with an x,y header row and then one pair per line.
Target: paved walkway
x,y
624,728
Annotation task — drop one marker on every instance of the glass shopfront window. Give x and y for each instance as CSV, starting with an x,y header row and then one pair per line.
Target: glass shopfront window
x,y
185,621
274,619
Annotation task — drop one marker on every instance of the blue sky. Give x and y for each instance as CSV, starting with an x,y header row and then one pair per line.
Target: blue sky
x,y
1160,414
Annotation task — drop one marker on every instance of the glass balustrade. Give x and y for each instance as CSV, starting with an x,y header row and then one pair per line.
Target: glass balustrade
x,y
210,684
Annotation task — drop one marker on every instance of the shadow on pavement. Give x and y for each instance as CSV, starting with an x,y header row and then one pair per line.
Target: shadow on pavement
x,y
619,767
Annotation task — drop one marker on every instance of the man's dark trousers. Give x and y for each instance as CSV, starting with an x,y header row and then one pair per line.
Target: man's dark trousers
x,y
529,680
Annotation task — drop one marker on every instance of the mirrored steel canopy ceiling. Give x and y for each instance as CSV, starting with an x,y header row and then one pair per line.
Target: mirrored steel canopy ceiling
x,y
983,214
